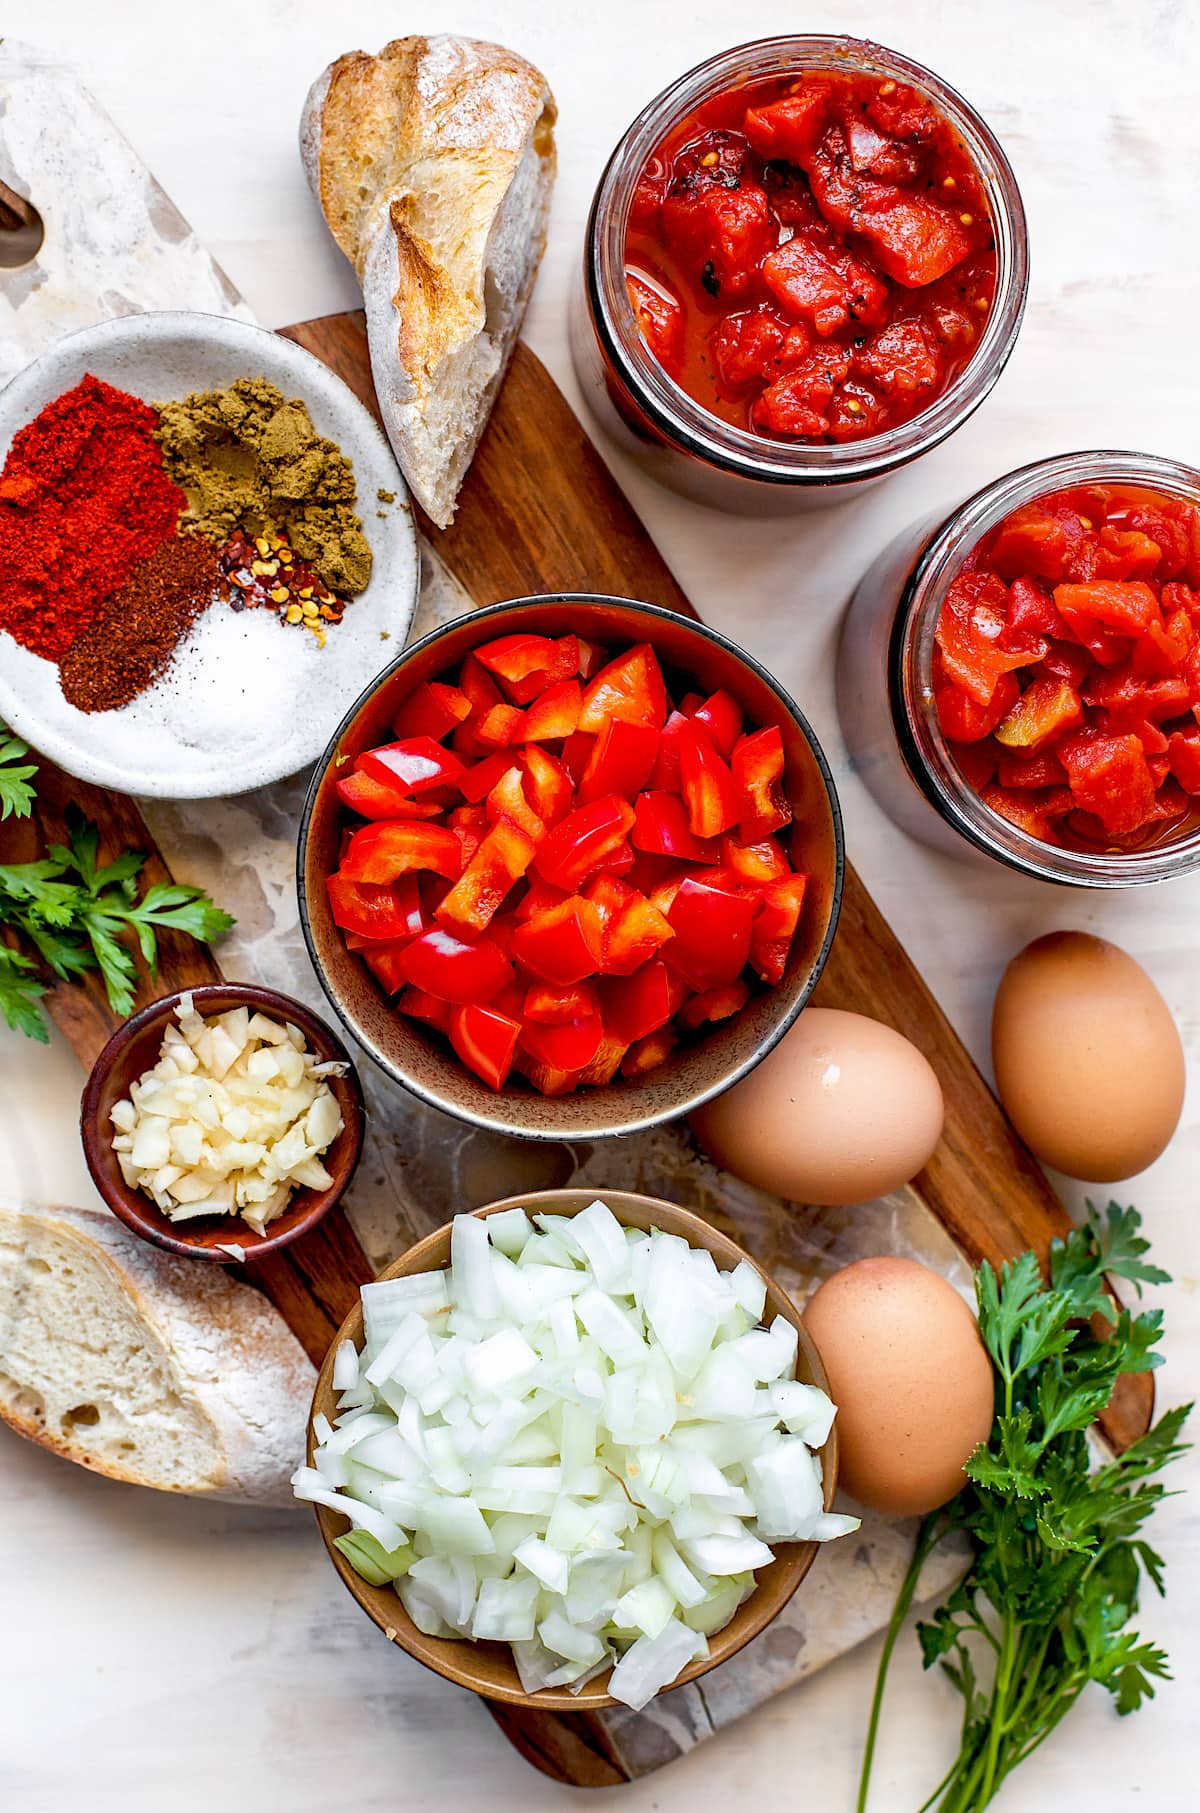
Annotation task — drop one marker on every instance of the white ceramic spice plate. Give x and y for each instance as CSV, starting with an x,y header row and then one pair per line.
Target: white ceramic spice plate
x,y
246,700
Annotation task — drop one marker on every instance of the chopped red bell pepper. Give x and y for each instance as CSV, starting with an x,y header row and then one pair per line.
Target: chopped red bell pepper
x,y
470,825
497,865
380,852
1046,708
575,753
554,715
547,785
620,761
562,944
529,664
507,800
649,1053
757,767
538,896
374,911
662,827
630,687
455,969
607,1061
431,710
568,1046
477,782
421,1006
485,1040
579,844
633,927
500,726
554,1003
639,1004
545,1078
780,905
665,775
713,1004
378,799
713,799
413,765
383,961
722,717
752,865
712,933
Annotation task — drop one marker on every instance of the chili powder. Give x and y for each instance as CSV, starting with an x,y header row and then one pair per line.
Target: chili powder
x,y
135,634
83,497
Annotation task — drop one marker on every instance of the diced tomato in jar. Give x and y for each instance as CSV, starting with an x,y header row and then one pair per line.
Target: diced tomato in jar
x,y
812,258
1065,673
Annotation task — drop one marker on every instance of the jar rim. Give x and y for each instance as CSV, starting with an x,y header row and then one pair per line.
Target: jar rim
x,y
687,423
925,749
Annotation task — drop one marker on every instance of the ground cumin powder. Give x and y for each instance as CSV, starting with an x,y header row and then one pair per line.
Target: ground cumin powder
x,y
248,458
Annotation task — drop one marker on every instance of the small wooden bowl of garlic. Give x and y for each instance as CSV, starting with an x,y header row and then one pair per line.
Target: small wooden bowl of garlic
x,y
222,1122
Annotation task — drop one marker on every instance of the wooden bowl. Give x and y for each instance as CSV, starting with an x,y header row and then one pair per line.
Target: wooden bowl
x,y
488,1668
134,1048
416,1057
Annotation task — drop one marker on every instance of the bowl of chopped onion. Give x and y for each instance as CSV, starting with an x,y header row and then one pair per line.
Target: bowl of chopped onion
x,y
222,1122
568,1452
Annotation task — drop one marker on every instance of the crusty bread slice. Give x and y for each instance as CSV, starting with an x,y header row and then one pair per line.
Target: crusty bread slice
x,y
160,1371
433,163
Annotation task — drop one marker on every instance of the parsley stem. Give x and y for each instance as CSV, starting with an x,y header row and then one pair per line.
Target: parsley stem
x,y
927,1539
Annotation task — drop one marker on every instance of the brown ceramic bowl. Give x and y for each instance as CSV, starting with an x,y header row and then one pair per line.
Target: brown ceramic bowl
x,y
416,1057
488,1668
133,1049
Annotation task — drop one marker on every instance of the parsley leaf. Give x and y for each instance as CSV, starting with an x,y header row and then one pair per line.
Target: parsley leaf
x,y
16,793
1058,1554
19,995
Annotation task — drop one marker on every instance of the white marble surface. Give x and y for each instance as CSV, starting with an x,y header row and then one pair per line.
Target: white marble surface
x,y
194,1654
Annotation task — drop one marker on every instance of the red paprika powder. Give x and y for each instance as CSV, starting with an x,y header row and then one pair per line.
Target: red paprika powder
x,y
83,498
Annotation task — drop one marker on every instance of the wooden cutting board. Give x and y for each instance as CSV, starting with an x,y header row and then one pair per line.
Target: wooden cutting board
x,y
540,512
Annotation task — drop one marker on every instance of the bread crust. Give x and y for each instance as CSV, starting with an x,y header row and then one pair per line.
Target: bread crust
x,y
433,164
233,1360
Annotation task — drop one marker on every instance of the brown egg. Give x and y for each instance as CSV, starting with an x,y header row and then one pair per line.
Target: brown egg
x,y
1088,1060
910,1378
843,1110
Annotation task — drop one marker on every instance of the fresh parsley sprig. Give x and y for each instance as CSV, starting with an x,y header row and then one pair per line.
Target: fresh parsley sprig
x,y
77,915
1057,1550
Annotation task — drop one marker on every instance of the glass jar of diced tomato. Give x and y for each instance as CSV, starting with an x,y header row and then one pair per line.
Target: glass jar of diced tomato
x,y
1023,678
806,264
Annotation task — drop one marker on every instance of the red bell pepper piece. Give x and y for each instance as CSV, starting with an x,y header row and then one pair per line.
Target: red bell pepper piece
x,y
580,843
554,1003
620,761
568,1046
963,719
538,896
753,864
1127,608
1109,778
1046,707
665,775
507,800
661,826
383,961
607,1061
639,1004
547,785
419,1006
634,929
563,944
454,968
713,799
648,1053
485,1040
1184,755
413,765
591,658
477,782
373,911
380,852
631,688
554,715
545,1078
712,933
722,717
527,664
378,799
617,862
500,726
499,862
781,903
575,754
479,686
431,710
470,825
714,1004
757,769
